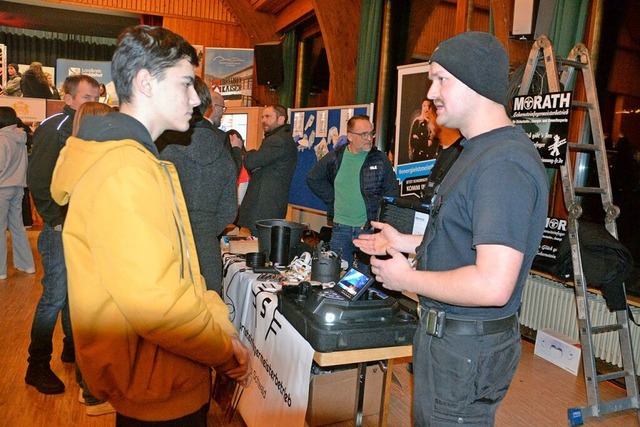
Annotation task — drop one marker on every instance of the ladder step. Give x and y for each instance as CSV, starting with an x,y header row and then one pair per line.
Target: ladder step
x,y
614,376
606,328
583,147
571,63
582,104
618,405
589,190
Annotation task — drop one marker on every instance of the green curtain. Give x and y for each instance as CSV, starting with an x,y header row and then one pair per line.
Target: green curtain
x,y
569,25
287,89
368,51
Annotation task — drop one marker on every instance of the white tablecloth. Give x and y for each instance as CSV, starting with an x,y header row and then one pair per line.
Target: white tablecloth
x,y
282,358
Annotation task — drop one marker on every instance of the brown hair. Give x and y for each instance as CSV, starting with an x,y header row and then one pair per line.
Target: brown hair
x,y
36,67
89,109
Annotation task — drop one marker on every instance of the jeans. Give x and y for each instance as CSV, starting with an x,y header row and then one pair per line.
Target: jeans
x,y
461,379
342,237
54,299
11,217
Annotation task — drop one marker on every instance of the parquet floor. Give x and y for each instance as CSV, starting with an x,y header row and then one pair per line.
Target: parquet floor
x,y
539,395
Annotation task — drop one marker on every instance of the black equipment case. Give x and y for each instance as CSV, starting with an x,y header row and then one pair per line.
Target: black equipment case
x,y
332,323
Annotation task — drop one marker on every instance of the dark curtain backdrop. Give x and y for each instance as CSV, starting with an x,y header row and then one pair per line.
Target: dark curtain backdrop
x,y
25,49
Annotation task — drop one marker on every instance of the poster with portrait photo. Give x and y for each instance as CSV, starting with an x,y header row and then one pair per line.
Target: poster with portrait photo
x,y
412,168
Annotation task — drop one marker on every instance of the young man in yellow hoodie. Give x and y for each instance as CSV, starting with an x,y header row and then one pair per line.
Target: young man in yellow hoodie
x,y
146,330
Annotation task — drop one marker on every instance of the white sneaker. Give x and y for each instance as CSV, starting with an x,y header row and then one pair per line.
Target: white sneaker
x,y
100,409
3,276
29,270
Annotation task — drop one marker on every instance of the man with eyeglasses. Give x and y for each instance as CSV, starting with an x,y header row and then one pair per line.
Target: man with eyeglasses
x,y
214,115
351,180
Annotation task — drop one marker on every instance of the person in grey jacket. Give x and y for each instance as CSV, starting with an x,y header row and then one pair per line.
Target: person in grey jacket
x,y
208,178
13,87
13,180
271,168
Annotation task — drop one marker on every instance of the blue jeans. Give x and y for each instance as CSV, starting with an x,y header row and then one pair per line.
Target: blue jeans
x,y
461,379
54,299
342,237
11,218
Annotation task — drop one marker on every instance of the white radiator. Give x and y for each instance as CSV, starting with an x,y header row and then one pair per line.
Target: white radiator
x,y
547,304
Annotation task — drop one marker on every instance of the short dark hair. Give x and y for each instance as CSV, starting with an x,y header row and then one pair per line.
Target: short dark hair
x,y
202,89
143,47
236,133
352,121
8,117
71,83
280,111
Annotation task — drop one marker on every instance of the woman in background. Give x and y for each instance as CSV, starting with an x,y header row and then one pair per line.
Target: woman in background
x,y
34,83
13,180
243,177
52,87
104,95
93,405
13,82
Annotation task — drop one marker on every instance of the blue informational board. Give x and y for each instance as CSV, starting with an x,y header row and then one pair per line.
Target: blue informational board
x,y
316,132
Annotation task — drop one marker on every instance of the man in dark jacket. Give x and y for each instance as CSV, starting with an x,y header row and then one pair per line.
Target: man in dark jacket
x,y
351,180
48,140
271,168
208,179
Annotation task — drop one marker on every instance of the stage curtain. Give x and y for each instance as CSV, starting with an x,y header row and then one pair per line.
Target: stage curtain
x,y
289,53
25,49
569,25
368,52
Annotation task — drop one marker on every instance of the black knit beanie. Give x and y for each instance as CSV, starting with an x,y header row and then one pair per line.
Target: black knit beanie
x,y
478,60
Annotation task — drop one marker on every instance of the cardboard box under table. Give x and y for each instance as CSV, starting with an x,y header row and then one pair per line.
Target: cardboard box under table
x,y
332,394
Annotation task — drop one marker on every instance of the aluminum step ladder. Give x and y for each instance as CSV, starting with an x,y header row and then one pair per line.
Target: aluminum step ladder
x,y
561,75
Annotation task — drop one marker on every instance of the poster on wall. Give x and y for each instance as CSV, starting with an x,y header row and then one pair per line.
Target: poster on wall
x,y
3,64
545,119
200,68
99,70
229,71
415,148
317,131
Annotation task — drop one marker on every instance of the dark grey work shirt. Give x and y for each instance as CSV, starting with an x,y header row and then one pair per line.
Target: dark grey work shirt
x,y
495,193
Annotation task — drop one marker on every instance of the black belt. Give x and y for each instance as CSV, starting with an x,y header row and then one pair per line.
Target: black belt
x,y
474,327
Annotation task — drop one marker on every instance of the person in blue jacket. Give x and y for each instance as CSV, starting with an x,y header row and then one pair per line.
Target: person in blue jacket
x,y
351,180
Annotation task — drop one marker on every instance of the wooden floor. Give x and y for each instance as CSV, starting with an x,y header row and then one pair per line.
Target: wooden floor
x,y
539,395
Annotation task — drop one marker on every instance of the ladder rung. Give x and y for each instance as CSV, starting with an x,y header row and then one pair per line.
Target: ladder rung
x,y
618,405
614,376
582,104
589,190
583,147
571,63
606,328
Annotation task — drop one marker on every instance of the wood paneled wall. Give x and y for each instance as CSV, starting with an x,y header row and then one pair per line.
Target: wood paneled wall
x,y
209,34
215,10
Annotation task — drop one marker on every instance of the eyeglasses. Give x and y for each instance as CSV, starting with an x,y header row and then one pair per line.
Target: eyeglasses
x,y
365,135
221,106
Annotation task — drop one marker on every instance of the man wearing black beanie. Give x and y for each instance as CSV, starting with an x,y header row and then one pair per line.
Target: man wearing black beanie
x,y
485,227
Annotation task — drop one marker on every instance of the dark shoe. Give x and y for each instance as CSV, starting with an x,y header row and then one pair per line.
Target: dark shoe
x,y
43,379
68,354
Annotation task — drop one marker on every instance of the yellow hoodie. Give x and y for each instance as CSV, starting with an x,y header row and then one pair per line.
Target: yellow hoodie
x,y
146,330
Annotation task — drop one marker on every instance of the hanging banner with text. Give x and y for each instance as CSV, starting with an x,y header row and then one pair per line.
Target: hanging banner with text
x,y
279,389
545,118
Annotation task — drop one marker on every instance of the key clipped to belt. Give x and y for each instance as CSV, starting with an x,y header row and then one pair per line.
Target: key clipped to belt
x,y
434,322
